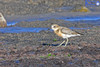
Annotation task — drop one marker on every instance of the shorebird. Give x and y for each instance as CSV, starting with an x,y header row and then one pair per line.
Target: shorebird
x,y
64,33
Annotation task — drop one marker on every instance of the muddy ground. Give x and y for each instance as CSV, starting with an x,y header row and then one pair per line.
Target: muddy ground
x,y
40,49
23,7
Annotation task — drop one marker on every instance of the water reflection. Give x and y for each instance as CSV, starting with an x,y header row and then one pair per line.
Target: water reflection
x,y
21,29
28,29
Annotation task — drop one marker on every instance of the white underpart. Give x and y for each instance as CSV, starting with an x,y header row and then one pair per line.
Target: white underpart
x,y
68,36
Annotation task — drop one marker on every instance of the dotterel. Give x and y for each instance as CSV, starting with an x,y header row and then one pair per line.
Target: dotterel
x,y
64,32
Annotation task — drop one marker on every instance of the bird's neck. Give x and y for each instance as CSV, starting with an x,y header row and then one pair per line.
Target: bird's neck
x,y
56,31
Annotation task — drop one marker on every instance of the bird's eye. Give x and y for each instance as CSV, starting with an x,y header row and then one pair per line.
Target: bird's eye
x,y
54,26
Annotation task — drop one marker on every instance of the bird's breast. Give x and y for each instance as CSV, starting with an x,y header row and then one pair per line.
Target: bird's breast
x,y
58,32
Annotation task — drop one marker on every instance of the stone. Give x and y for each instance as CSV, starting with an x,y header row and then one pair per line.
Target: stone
x,y
3,22
81,9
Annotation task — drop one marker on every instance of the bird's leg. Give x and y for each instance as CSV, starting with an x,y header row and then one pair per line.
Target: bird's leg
x,y
66,42
61,43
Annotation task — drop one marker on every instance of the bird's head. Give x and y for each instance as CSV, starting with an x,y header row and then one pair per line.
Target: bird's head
x,y
55,27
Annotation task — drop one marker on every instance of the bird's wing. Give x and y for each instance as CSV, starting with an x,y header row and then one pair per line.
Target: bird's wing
x,y
67,31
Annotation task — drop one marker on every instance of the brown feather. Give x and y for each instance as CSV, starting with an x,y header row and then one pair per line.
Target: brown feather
x,y
58,32
68,31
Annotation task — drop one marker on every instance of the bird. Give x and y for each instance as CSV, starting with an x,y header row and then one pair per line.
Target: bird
x,y
64,32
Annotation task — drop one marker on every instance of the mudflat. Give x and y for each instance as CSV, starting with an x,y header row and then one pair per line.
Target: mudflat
x,y
32,49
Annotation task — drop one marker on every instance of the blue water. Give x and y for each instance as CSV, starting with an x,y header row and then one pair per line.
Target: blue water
x,y
82,19
11,23
92,18
77,18
28,29
95,20
21,29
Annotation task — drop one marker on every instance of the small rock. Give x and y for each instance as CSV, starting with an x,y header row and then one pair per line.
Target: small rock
x,y
81,9
3,22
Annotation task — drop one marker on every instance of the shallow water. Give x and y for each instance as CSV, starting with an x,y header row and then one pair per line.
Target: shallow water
x,y
21,29
89,19
28,29
86,18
